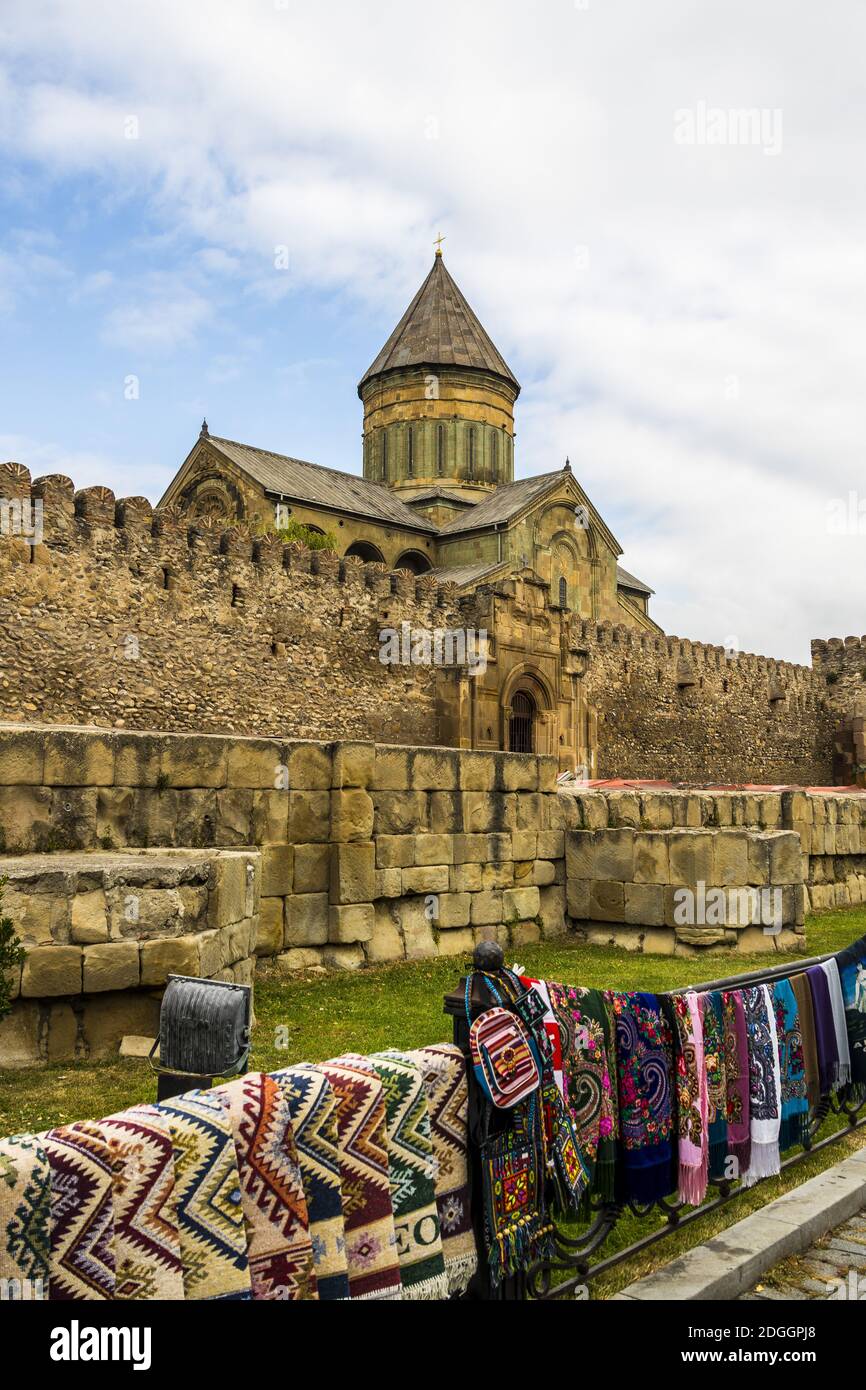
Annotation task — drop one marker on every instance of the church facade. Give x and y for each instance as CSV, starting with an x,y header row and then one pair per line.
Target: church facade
x,y
438,496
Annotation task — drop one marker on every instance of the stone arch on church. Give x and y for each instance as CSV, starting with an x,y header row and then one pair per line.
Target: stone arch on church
x,y
527,712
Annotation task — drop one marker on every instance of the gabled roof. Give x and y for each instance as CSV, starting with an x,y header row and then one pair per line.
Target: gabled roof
x,y
433,494
327,487
504,503
628,581
439,329
462,575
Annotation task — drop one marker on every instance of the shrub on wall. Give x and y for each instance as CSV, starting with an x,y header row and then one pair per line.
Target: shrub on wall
x,y
11,954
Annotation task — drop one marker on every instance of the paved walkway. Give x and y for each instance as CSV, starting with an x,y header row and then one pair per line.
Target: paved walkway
x,y
834,1267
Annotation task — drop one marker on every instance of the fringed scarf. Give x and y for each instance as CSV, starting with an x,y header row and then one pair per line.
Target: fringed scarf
x,y
792,1069
210,1218
313,1109
737,1078
83,1263
825,1029
692,1103
517,1226
644,1072
852,974
371,1245
765,1107
25,1217
714,1061
803,996
412,1167
443,1070
277,1223
588,1087
843,1066
146,1239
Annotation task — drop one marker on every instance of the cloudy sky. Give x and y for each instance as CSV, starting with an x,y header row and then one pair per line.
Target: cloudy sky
x,y
232,203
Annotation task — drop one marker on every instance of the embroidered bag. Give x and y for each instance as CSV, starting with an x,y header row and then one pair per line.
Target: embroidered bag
x,y
504,1054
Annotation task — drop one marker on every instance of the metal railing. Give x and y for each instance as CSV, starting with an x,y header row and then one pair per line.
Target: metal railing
x,y
572,1264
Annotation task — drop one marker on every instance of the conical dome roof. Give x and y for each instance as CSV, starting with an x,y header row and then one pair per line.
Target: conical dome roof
x,y
439,329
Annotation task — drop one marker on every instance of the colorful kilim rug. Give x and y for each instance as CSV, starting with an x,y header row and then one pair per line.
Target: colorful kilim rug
x,y
272,1191
413,1176
313,1108
147,1245
82,1264
371,1245
210,1217
25,1215
443,1069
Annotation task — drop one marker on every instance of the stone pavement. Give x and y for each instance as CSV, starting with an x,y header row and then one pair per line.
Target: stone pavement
x,y
833,1267
788,1229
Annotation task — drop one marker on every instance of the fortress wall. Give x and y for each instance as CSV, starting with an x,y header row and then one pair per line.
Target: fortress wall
x,y
674,709
130,618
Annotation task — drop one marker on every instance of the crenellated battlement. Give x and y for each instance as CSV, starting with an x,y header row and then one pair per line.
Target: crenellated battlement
x,y
92,519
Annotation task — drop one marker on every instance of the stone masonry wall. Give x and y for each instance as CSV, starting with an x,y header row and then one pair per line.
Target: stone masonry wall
x,y
831,828
682,711
369,852
134,619
130,618
102,932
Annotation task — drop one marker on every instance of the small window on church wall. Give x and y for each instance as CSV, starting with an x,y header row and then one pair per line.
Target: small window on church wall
x,y
440,449
385,456
410,452
563,593
494,456
470,445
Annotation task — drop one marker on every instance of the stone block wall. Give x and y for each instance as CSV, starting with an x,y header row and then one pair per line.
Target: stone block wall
x,y
130,618
368,852
681,891
127,617
831,827
103,931
683,711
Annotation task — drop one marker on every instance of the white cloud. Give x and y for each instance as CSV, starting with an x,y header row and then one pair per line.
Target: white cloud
x,y
687,318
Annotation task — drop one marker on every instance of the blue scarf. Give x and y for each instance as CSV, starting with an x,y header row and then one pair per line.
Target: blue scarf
x,y
792,1067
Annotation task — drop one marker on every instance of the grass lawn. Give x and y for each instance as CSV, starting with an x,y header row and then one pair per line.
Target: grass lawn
x,y
312,1017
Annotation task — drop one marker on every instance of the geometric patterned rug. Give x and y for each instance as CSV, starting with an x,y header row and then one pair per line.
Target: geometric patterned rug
x,y
313,1108
146,1240
82,1264
272,1190
210,1214
371,1247
413,1171
25,1214
443,1068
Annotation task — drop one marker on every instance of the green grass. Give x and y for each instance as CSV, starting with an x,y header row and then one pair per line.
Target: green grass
x,y
311,1017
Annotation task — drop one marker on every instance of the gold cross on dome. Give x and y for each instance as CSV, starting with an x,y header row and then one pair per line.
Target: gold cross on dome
x,y
438,244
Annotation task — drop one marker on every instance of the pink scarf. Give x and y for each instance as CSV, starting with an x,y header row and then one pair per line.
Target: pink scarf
x,y
693,1098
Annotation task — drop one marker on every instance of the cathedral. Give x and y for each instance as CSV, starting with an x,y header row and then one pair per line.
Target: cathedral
x,y
438,495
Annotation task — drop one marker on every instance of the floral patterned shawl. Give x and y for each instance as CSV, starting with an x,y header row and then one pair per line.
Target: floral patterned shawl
x,y
692,1103
792,1067
714,1061
589,1079
765,1106
737,1077
644,1058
